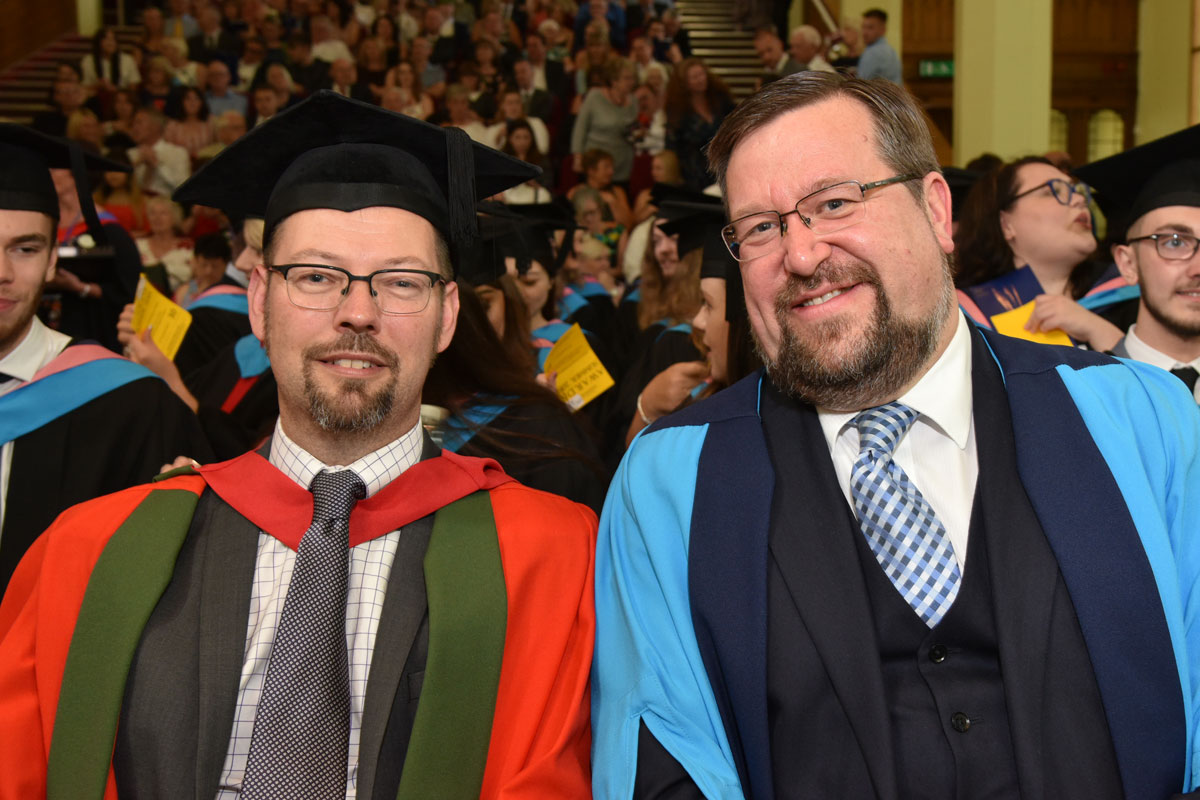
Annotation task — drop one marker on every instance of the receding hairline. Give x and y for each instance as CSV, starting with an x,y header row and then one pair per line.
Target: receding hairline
x,y
441,250
908,148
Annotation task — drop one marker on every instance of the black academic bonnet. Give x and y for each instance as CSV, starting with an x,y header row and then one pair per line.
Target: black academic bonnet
x,y
26,158
1129,185
333,152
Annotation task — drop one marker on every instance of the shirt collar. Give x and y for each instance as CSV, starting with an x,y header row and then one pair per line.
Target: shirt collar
x,y
942,396
376,469
34,352
1140,351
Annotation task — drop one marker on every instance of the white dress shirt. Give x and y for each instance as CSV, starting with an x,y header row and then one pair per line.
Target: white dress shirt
x,y
938,453
1140,351
39,347
370,566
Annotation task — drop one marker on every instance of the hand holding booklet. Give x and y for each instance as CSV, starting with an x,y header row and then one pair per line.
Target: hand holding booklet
x,y
1008,302
167,320
581,375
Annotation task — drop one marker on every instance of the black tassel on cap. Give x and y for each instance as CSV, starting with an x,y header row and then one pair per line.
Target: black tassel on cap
x,y
460,187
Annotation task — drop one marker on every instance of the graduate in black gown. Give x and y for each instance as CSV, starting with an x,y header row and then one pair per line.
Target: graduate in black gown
x,y
670,298
218,308
76,421
233,392
497,409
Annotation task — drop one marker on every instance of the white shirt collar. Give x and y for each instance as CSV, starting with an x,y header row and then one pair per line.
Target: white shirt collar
x,y
942,396
1140,351
36,350
376,469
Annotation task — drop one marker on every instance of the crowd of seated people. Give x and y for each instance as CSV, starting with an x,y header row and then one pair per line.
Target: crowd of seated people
x,y
605,97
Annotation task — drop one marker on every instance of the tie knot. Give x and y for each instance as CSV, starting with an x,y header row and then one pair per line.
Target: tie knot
x,y
881,428
335,493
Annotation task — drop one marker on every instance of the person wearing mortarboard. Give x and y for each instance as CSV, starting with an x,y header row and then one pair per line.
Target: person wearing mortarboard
x,y
663,306
287,614
76,420
1151,195
497,405
720,324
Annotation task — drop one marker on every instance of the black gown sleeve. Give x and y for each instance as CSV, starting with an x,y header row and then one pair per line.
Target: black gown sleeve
x,y
659,775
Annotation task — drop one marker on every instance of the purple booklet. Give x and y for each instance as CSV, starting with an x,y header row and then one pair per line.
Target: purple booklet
x,y
1011,290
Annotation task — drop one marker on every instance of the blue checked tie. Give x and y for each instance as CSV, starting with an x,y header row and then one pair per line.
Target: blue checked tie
x,y
908,540
301,738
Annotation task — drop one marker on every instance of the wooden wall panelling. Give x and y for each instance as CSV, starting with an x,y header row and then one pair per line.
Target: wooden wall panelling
x,y
28,26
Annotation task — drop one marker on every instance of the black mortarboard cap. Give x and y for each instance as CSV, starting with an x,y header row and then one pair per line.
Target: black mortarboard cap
x,y
503,235
26,158
701,226
688,213
1128,185
542,221
333,152
960,182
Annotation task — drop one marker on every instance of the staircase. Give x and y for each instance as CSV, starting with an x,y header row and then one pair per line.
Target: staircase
x,y
25,86
727,51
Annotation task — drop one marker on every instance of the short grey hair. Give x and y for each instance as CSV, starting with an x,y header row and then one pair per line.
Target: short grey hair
x,y
901,131
808,33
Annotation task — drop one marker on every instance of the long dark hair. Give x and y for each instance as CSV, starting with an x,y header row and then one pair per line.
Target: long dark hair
x,y
476,369
679,98
981,251
114,61
534,156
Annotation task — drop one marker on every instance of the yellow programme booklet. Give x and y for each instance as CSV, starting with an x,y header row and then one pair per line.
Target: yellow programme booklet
x,y
581,375
168,321
1012,323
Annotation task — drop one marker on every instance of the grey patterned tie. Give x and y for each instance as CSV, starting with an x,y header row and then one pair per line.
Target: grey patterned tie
x,y
301,732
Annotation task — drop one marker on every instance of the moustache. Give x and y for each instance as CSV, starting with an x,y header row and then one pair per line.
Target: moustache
x,y
361,343
827,273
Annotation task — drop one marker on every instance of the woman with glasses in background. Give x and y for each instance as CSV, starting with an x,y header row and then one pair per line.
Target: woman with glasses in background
x,y
1030,213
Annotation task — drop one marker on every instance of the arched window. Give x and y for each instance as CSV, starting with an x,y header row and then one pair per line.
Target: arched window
x,y
1059,128
1106,134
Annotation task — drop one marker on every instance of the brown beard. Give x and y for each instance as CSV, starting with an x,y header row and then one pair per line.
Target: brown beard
x,y
352,409
891,351
1182,328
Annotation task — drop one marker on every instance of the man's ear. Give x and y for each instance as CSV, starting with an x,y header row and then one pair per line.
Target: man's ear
x,y
1126,263
52,263
256,295
938,209
449,321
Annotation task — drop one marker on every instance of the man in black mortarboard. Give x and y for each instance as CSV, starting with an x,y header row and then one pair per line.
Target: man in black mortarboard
x,y
76,421
264,627
1152,196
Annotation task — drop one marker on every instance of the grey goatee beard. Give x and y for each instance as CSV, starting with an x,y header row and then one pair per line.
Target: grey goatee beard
x,y
890,352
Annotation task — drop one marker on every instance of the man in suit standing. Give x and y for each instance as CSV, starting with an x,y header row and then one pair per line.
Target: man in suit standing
x,y
911,558
547,74
213,41
536,102
266,626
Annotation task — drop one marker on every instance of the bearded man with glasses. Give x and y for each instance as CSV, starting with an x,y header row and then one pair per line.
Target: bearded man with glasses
x,y
410,623
910,558
1156,226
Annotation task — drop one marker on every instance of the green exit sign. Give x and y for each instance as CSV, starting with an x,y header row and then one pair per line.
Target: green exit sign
x,y
936,68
